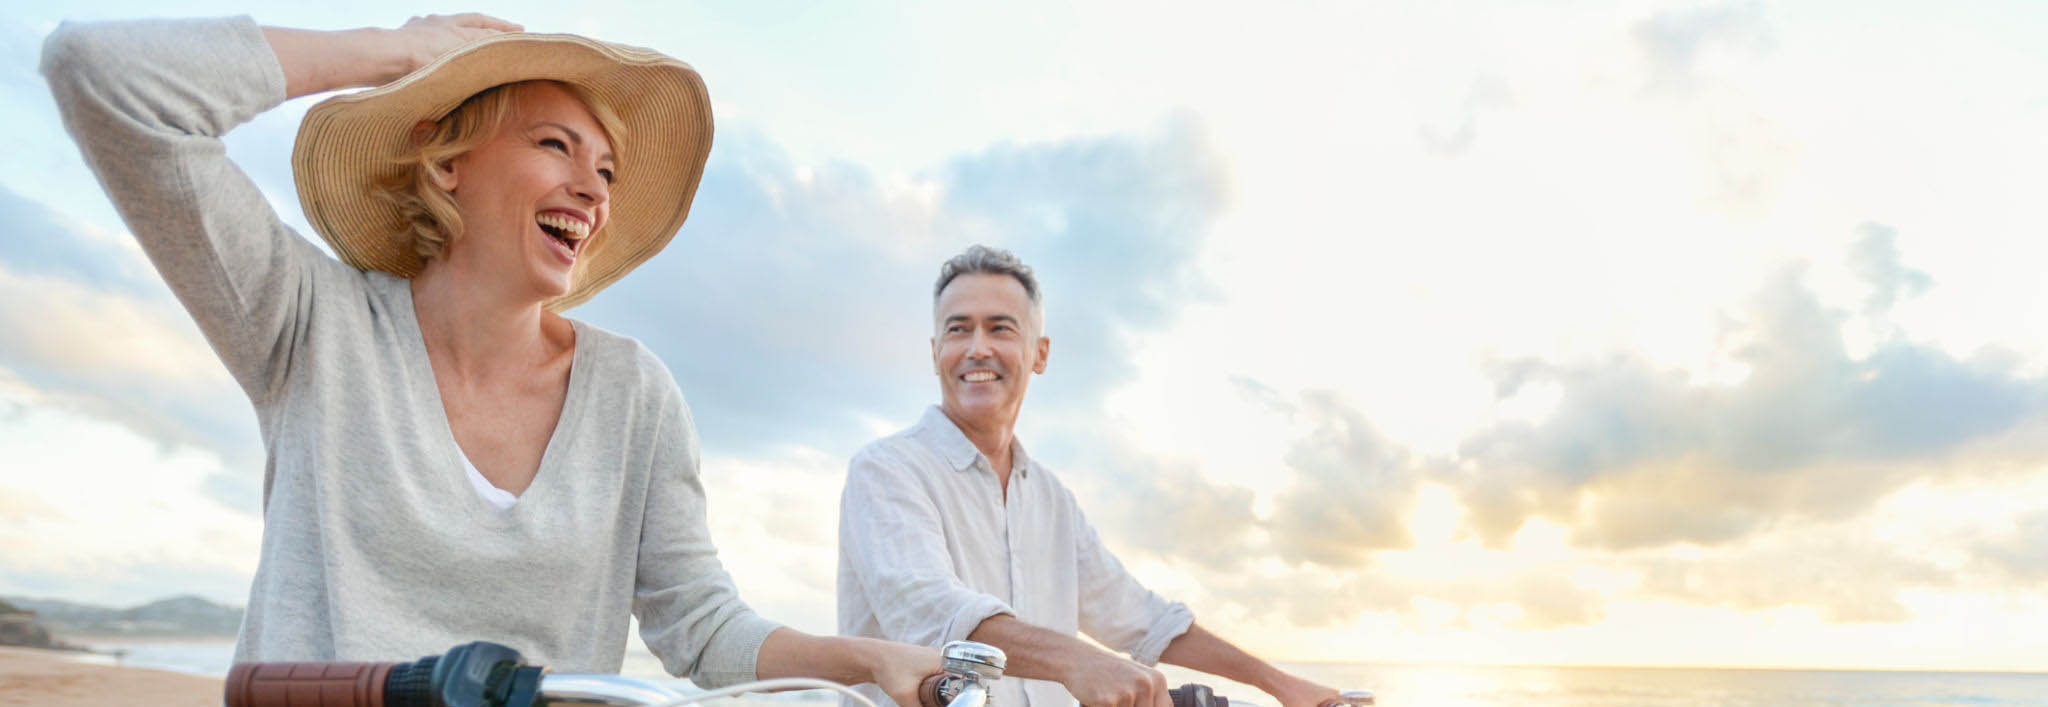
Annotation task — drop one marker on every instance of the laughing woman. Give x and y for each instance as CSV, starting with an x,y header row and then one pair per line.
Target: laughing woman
x,y
449,459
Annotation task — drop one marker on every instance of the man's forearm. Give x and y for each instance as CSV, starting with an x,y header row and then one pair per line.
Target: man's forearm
x,y
1207,652
1095,677
1201,650
1033,651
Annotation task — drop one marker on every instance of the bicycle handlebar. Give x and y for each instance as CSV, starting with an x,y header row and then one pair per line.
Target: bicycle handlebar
x,y
478,674
482,674
308,684
929,692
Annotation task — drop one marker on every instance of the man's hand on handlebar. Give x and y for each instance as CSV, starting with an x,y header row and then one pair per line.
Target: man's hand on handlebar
x,y
1099,679
1292,691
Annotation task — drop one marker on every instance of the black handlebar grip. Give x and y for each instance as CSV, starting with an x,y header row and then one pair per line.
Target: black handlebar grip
x,y
1196,695
307,684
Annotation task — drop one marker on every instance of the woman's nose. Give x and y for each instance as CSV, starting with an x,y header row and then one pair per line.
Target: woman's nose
x,y
591,188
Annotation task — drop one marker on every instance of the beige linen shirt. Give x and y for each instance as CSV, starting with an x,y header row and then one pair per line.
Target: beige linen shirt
x,y
929,547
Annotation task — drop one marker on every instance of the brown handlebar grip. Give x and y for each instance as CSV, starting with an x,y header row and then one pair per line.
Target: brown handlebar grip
x,y
307,684
928,691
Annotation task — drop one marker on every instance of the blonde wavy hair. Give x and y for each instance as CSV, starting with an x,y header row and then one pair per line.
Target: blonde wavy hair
x,y
428,209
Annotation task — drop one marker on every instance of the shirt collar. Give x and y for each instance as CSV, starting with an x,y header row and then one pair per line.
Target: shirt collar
x,y
939,432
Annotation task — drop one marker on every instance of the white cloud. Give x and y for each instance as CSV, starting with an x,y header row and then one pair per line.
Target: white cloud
x,y
75,331
95,512
776,522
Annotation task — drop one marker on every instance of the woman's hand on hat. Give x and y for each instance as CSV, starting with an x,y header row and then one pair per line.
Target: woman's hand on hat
x,y
424,39
315,61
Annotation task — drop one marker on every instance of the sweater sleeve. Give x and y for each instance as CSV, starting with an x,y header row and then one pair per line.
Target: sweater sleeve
x,y
690,614
147,103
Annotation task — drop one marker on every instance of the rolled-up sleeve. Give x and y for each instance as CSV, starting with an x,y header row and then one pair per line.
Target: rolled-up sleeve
x,y
1115,609
894,547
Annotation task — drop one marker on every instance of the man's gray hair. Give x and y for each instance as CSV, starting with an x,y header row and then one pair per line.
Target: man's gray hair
x,y
983,260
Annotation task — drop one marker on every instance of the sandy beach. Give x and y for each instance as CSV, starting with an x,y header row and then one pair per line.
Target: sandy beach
x,y
54,679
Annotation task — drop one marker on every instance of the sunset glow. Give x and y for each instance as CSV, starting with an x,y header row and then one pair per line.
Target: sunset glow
x,y
1592,333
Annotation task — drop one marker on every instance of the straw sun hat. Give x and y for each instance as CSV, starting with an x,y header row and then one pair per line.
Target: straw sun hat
x,y
348,142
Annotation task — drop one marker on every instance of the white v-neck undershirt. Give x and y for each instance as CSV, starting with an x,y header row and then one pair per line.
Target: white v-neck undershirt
x,y
493,495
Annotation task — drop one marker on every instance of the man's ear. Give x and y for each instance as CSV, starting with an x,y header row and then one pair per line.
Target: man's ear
x,y
935,358
1044,351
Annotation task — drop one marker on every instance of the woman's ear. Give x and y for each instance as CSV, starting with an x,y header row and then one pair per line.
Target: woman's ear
x,y
443,175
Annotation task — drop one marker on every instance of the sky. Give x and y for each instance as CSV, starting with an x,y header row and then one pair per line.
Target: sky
x,y
1589,333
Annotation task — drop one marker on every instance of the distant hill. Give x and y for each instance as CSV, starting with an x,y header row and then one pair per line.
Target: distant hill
x,y
19,628
175,616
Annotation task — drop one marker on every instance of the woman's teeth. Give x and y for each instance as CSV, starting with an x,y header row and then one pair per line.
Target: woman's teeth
x,y
563,227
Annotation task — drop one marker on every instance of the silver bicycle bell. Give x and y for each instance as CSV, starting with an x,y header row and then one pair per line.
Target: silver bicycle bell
x,y
969,668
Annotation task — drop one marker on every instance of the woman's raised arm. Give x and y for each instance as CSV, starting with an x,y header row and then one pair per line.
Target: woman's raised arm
x,y
148,101
315,61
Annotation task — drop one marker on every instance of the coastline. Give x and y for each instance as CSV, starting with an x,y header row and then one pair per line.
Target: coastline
x,y
30,676
203,656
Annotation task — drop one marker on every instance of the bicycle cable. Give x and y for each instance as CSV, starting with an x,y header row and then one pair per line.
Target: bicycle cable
x,y
773,684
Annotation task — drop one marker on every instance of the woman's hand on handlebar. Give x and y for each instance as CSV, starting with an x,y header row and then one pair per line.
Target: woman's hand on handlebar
x,y
899,668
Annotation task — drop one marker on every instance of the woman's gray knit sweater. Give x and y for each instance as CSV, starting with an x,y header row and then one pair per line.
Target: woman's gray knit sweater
x,y
374,545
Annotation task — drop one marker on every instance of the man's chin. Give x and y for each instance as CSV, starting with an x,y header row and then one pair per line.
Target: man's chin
x,y
976,408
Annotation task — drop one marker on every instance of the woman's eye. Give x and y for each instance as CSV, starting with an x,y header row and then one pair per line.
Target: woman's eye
x,y
553,143
606,174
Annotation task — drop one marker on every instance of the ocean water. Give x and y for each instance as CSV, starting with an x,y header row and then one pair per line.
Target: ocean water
x,y
1428,685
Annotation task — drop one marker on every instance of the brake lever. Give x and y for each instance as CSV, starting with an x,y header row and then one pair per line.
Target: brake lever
x,y
1347,698
1351,698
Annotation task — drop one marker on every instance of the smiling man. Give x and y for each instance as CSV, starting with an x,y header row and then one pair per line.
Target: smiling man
x,y
948,530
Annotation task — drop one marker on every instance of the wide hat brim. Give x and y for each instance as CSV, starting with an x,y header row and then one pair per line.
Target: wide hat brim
x,y
349,143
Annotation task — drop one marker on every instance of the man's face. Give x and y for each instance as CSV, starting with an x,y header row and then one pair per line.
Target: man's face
x,y
986,347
